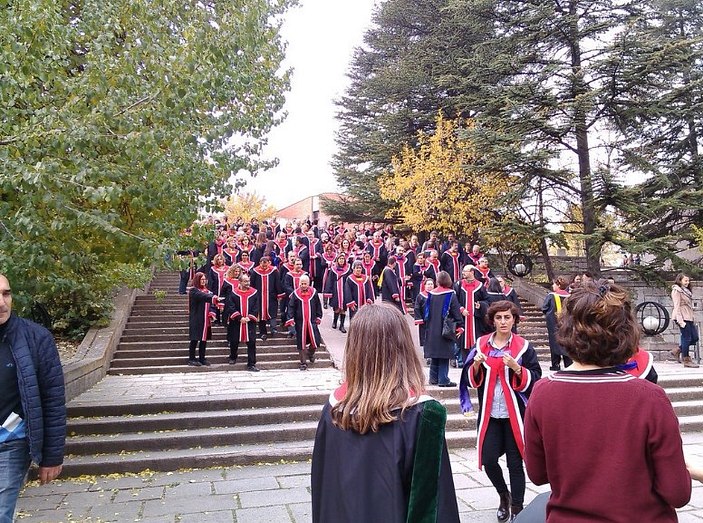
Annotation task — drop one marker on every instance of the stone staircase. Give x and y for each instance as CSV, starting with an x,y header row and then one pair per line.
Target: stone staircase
x,y
244,428
155,340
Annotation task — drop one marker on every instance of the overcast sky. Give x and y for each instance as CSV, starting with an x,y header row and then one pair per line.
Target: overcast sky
x,y
321,36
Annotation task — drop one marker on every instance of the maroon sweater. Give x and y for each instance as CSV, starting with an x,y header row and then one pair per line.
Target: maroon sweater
x,y
609,446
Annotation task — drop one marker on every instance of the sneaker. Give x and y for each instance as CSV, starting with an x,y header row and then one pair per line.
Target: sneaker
x,y
555,368
448,384
194,363
303,366
264,337
274,332
252,368
232,361
205,362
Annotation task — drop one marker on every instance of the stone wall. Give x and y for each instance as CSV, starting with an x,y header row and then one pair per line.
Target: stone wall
x,y
94,354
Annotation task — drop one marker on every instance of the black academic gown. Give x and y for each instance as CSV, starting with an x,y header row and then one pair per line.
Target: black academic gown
x,y
369,478
390,290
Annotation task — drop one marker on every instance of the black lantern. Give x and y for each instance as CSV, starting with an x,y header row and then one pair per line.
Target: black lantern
x,y
653,317
520,265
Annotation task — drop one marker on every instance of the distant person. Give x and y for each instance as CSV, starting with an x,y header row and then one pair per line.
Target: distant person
x,y
32,403
380,454
552,307
607,442
443,325
682,297
202,305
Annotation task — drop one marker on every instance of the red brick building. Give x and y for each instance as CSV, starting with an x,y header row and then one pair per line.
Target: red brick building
x,y
307,207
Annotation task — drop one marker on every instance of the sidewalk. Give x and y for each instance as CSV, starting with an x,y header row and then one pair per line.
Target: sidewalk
x,y
262,493
265,493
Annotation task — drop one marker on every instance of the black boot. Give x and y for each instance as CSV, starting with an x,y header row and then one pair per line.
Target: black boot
x,y
334,321
514,511
342,317
503,512
325,301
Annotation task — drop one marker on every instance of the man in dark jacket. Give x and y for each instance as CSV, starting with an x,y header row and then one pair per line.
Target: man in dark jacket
x,y
32,403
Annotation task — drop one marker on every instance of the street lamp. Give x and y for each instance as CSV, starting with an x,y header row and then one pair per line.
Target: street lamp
x,y
520,265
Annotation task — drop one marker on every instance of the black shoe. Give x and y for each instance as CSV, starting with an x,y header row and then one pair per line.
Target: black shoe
x,y
452,362
205,362
514,511
448,384
555,367
252,368
264,337
274,332
503,512
342,329
303,366
194,363
311,357
334,324
232,361
433,382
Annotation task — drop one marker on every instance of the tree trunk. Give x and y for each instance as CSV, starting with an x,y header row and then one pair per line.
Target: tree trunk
x,y
579,91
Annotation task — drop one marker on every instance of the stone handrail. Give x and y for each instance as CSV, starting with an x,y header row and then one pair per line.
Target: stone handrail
x,y
92,359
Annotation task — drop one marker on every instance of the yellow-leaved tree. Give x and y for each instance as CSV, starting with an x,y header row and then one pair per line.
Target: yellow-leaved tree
x,y
434,188
248,206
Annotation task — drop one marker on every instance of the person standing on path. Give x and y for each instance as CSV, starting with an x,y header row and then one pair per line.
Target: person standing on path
x,y
443,325
504,368
32,403
552,307
682,296
380,453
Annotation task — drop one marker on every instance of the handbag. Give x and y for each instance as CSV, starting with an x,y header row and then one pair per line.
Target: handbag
x,y
448,329
448,325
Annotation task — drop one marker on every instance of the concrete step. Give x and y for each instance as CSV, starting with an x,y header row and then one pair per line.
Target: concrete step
x,y
173,350
218,365
219,357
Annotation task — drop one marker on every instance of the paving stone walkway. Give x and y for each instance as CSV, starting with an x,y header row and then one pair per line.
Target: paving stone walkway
x,y
265,493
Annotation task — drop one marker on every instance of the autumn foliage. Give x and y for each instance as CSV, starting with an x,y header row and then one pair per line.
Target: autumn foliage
x,y
435,188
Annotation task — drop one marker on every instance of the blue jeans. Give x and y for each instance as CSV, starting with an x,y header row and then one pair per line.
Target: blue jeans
x,y
689,336
14,463
439,371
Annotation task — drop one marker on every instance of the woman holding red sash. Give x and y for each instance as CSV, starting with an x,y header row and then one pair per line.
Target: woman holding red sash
x,y
503,367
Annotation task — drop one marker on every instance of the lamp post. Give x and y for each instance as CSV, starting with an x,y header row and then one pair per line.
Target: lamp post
x,y
653,318
520,265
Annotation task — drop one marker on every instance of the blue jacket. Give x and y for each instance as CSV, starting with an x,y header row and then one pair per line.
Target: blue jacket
x,y
40,380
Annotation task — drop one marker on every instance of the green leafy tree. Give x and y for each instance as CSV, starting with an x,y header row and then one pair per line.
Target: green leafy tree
x,y
656,76
395,92
118,122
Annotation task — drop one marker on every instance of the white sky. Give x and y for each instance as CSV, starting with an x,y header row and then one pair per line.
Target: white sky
x,y
321,36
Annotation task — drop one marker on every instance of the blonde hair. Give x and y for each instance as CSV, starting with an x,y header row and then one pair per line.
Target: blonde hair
x,y
383,370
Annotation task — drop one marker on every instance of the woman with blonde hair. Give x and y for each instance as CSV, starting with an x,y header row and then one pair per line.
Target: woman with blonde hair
x,y
379,436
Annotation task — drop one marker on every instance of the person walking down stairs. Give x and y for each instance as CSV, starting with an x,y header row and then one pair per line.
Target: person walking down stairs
x,y
682,296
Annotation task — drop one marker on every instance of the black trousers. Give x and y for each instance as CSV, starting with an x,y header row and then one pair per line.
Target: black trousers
x,y
499,440
251,351
201,350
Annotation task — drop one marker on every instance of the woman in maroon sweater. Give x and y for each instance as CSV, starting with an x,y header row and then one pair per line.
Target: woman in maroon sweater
x,y
606,442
